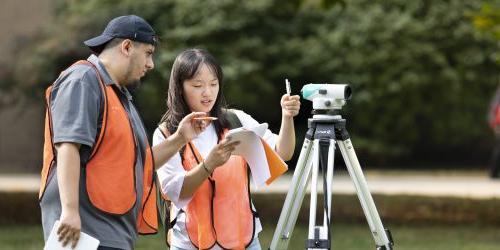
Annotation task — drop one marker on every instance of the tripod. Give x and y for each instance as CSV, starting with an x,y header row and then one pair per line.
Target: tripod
x,y
324,130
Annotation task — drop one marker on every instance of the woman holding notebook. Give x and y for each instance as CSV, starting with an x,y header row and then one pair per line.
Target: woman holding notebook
x,y
209,187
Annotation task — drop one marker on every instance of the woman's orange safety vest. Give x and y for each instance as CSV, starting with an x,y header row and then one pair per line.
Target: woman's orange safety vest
x,y
220,210
110,171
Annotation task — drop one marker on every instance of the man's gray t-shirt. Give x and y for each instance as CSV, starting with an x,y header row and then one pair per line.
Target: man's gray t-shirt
x,y
76,109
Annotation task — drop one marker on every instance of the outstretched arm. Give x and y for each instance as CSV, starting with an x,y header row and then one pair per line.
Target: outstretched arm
x,y
290,106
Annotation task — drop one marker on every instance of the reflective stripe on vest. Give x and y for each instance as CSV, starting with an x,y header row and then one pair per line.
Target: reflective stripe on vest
x,y
220,210
110,171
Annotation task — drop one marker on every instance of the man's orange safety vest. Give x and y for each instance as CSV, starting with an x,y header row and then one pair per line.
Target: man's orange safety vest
x,y
220,210
110,175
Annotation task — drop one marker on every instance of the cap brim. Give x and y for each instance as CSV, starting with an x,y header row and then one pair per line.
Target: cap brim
x,y
97,42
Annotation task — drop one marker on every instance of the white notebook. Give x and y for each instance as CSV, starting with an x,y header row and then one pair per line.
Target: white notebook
x,y
86,241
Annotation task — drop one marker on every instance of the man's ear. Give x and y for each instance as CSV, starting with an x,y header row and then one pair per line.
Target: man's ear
x,y
126,47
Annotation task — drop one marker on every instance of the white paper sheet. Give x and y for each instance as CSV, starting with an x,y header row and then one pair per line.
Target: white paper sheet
x,y
251,149
86,241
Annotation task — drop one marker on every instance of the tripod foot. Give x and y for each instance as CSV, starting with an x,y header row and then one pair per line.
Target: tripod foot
x,y
318,244
391,242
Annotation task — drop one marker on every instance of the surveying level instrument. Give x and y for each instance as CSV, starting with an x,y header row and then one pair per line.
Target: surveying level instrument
x,y
325,129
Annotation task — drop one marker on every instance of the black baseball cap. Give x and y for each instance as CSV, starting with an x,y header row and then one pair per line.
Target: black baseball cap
x,y
128,27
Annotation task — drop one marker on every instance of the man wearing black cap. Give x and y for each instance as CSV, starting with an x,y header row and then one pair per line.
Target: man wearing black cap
x,y
97,173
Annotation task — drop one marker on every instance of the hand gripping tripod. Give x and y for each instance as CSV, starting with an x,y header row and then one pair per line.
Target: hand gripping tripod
x,y
324,130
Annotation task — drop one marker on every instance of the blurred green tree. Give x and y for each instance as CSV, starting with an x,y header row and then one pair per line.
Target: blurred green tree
x,y
487,20
421,74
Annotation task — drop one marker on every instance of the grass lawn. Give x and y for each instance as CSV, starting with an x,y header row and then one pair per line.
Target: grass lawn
x,y
345,236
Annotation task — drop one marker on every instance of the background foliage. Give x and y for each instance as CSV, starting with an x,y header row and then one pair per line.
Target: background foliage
x,y
422,71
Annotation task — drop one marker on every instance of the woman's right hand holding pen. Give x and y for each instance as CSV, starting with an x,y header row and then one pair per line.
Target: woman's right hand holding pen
x,y
189,127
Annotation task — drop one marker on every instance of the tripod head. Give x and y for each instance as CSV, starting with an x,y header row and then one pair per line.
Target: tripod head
x,y
326,97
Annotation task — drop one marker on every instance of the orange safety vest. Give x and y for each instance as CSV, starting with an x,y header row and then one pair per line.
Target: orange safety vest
x,y
110,171
220,210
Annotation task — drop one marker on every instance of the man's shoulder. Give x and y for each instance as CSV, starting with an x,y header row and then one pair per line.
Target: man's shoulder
x,y
81,73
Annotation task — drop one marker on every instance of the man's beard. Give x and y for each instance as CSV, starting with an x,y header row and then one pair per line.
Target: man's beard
x,y
133,85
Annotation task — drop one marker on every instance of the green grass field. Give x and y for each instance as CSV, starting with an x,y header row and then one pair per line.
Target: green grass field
x,y
345,236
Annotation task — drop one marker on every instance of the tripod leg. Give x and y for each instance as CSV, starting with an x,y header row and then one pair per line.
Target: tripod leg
x,y
314,191
329,180
293,200
323,155
382,238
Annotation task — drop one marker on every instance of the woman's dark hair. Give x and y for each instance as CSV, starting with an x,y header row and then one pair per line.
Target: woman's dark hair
x,y
185,67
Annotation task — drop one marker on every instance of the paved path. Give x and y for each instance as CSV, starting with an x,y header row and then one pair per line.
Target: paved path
x,y
433,183
19,182
465,185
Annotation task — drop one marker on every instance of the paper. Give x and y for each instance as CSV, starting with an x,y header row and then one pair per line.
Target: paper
x,y
264,163
86,241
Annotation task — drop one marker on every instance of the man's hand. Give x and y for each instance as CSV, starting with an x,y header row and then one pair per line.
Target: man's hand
x,y
69,227
188,128
290,105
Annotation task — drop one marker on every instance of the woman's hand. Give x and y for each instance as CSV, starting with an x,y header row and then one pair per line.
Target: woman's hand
x,y
196,176
220,154
290,105
188,128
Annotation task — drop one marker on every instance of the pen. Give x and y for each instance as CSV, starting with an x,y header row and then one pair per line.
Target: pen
x,y
206,118
288,90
